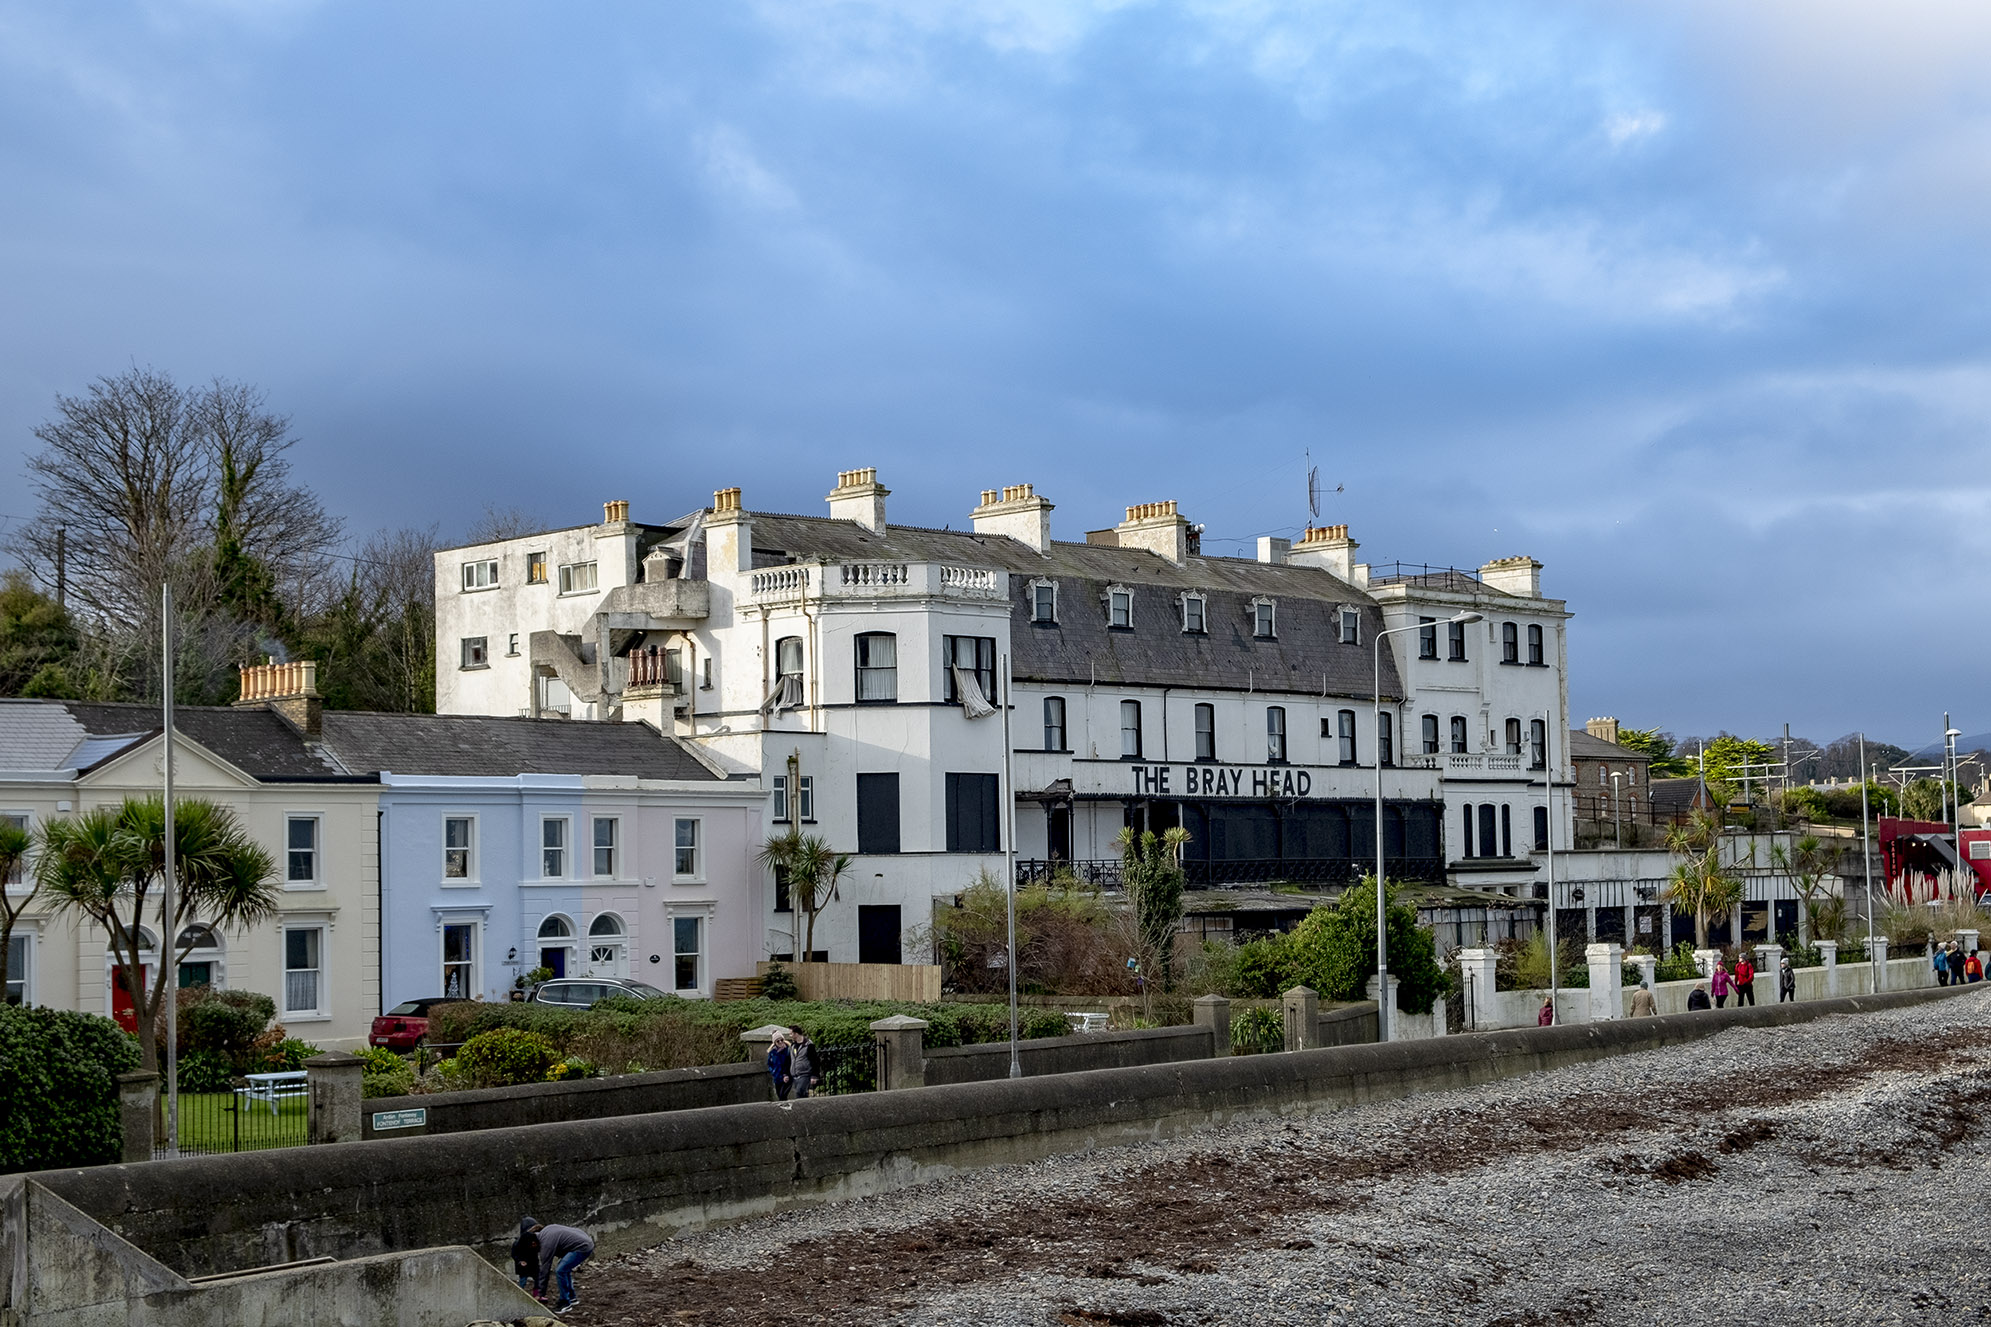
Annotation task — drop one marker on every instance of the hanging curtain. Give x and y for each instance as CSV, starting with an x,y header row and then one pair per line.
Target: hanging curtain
x,y
973,703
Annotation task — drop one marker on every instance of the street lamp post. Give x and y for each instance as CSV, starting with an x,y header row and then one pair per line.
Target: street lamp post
x,y
1954,795
1617,822
1383,1012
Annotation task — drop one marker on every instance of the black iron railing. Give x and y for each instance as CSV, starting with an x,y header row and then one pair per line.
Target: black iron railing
x,y
855,1067
1109,873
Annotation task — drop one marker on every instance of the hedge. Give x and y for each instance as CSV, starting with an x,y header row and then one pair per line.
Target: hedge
x,y
630,1035
58,1088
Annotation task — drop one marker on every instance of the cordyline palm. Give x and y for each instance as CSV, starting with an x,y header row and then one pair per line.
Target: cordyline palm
x,y
1153,868
14,844
109,864
1701,882
813,870
1806,865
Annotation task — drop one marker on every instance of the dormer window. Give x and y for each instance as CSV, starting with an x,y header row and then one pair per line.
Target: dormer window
x,y
1043,601
1351,626
1119,607
1263,618
1194,608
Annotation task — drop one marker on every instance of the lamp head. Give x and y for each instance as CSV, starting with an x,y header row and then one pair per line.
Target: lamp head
x,y
1952,732
1467,616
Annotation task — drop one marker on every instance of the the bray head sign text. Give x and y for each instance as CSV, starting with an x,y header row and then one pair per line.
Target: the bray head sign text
x,y
1221,781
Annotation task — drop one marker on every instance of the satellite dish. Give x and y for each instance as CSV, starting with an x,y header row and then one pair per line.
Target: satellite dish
x,y
1313,491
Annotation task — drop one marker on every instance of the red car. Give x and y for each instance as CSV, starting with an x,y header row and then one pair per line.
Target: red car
x,y
403,1027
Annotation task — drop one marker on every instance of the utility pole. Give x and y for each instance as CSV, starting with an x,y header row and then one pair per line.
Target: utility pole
x,y
169,939
1866,864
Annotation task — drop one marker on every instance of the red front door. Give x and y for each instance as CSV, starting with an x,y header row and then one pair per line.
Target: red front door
x,y
121,1007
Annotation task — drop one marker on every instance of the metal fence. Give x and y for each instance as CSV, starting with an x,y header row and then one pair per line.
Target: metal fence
x,y
237,1120
855,1067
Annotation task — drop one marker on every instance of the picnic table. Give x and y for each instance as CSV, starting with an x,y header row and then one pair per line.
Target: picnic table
x,y
272,1087
1087,1022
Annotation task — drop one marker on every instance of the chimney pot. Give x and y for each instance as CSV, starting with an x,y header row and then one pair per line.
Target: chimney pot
x,y
1015,511
288,689
1158,527
611,512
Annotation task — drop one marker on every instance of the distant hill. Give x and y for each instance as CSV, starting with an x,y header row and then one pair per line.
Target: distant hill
x,y
1933,752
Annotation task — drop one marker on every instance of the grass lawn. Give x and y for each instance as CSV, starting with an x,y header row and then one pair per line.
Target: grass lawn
x,y
208,1123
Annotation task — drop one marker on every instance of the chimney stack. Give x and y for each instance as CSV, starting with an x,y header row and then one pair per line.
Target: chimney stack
x,y
288,689
614,512
729,539
1326,548
859,497
1516,575
1604,730
1015,511
1157,527
1272,549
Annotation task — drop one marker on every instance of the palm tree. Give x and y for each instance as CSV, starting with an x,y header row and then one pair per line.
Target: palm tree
x,y
109,862
813,870
1153,865
1701,882
1807,864
14,844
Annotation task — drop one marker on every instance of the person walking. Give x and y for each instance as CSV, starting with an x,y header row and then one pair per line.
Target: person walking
x,y
1786,982
1697,999
1941,963
1643,1005
1973,967
1546,1018
802,1069
1745,980
561,1250
779,1060
1720,983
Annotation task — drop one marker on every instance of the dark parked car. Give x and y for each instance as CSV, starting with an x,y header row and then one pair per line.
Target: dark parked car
x,y
403,1027
580,992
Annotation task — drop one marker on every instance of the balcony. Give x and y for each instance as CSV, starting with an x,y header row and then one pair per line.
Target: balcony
x,y
876,580
1484,763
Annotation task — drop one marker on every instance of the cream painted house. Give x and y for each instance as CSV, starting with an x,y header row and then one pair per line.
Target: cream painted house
x,y
319,957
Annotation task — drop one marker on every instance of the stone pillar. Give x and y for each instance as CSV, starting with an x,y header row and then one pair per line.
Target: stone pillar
x,y
757,1041
1607,981
1648,971
1828,951
901,1052
1768,959
1214,1012
1302,1019
1877,959
1705,959
1967,941
334,1080
1476,969
138,1110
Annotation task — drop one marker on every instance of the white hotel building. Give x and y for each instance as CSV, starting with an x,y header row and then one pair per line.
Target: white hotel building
x,y
854,667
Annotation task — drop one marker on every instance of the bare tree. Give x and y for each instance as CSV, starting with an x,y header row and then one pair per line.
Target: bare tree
x,y
153,484
502,523
378,636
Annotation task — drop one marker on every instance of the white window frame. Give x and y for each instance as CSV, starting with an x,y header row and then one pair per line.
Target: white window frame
x,y
322,973
474,984
613,848
470,878
215,955
1114,594
1265,610
1350,626
1138,730
696,875
23,974
1275,734
703,984
26,820
1061,729
463,648
572,574
565,847
1043,583
617,944
316,819
863,666
480,575
1201,627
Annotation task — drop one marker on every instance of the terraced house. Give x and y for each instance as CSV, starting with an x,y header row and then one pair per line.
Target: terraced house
x,y
864,673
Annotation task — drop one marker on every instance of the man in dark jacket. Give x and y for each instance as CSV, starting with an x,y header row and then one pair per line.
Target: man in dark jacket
x,y
1697,998
525,1255
561,1250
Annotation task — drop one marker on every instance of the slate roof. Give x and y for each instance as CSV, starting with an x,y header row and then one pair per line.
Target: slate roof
x,y
253,740
472,745
1582,746
1674,797
37,735
1306,658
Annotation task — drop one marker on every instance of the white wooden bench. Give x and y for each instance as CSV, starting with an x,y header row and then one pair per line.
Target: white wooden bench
x,y
272,1088
1087,1022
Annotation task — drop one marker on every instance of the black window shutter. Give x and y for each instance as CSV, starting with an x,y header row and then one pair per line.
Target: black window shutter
x,y
877,813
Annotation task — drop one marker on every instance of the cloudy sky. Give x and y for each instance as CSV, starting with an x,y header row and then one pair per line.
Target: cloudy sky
x,y
1687,300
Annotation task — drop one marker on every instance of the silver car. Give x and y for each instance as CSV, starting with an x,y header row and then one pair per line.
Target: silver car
x,y
582,992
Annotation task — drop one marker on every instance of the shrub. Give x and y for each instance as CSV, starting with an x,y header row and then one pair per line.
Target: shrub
x,y
58,1088
1257,1031
205,1071
778,983
226,1023
1678,965
505,1057
386,1074
1334,951
287,1054
1067,942
1263,969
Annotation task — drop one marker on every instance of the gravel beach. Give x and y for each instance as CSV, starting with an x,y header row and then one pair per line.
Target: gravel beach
x,y
1822,1173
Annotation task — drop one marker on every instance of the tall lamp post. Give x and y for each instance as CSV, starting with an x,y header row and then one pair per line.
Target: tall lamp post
x,y
1383,1012
1954,795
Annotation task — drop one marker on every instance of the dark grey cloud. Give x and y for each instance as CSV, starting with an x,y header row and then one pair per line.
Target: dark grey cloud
x,y
1685,301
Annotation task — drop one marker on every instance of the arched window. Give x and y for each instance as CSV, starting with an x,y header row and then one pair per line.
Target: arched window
x,y
555,928
608,951
147,942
